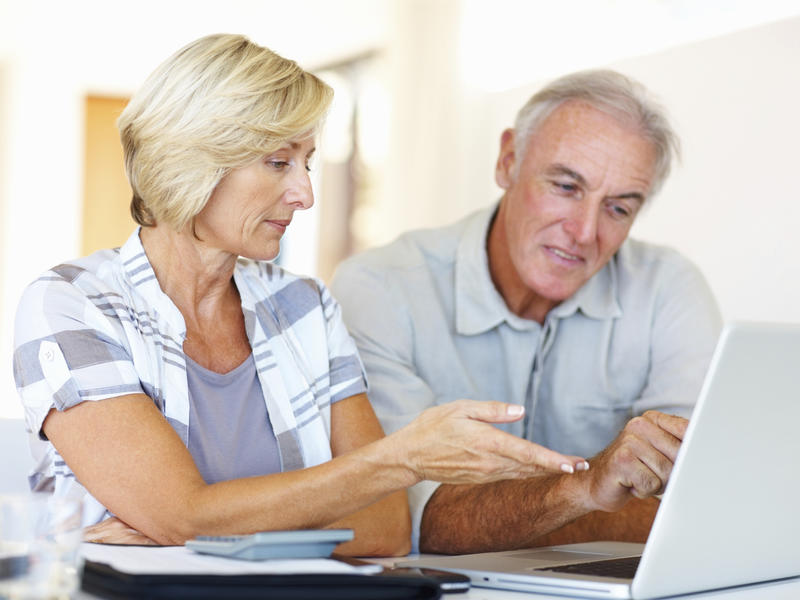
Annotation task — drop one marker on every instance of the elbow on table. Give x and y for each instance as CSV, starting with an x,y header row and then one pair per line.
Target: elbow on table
x,y
393,544
175,525
390,537
173,534
377,546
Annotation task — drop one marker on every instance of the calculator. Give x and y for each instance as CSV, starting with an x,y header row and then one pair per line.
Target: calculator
x,y
301,543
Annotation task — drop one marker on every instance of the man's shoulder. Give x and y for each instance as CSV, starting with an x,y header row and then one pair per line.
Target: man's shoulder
x,y
654,267
638,255
413,248
428,249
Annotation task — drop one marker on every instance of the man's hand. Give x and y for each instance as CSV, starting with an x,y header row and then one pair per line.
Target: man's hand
x,y
638,462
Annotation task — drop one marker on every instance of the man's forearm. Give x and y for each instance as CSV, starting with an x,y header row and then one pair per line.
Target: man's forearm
x,y
460,519
630,524
524,513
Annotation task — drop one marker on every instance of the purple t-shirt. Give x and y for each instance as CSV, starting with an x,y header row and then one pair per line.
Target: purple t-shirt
x,y
230,434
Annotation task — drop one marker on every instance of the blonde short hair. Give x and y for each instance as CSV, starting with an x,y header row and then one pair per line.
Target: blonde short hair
x,y
219,103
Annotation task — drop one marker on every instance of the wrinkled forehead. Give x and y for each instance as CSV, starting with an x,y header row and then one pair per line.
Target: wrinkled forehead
x,y
582,117
593,143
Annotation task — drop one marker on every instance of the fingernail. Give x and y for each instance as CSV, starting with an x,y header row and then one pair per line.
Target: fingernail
x,y
582,466
567,468
515,410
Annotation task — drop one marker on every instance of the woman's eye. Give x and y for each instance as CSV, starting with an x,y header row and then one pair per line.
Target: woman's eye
x,y
278,164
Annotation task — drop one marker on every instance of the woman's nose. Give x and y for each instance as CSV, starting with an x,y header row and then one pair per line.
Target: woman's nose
x,y
301,193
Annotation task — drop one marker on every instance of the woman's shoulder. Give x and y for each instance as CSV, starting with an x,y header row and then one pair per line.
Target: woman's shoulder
x,y
67,294
95,273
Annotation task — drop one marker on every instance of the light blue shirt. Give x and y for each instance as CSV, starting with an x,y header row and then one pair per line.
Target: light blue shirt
x,y
431,328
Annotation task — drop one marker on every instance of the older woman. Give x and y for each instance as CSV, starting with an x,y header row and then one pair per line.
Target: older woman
x,y
182,384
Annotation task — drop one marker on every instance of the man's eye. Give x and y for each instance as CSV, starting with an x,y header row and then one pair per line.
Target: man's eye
x,y
620,211
565,188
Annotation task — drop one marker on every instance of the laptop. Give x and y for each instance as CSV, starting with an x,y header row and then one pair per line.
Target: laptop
x,y
729,514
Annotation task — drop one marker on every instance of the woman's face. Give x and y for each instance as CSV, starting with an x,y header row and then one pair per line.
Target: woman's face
x,y
252,206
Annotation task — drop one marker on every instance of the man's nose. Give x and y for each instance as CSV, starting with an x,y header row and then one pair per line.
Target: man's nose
x,y
582,223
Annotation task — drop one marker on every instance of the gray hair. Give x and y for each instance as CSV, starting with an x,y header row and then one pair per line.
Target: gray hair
x,y
613,93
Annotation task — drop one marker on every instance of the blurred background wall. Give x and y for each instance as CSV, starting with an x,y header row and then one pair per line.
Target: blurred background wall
x,y
423,90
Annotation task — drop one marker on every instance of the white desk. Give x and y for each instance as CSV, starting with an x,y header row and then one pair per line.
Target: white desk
x,y
788,590
782,590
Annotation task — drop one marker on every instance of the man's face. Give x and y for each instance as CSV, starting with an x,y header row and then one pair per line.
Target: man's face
x,y
570,203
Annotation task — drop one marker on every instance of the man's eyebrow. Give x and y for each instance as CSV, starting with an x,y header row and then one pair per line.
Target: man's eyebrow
x,y
559,169
638,196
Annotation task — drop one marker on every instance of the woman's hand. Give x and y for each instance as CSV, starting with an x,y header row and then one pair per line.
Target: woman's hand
x,y
455,443
114,531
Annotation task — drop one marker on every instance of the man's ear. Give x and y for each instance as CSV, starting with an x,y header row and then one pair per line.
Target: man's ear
x,y
504,170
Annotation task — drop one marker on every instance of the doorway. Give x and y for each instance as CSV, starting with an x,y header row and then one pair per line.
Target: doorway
x,y
107,221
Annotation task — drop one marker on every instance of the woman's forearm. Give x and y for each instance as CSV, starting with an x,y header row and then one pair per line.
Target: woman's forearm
x,y
356,487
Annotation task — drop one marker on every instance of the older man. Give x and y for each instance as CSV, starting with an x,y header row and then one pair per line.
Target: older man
x,y
543,300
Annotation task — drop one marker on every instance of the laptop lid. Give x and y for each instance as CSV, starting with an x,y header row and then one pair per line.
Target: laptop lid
x,y
727,517
729,514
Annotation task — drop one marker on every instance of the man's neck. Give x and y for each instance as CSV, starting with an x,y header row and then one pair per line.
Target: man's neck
x,y
519,298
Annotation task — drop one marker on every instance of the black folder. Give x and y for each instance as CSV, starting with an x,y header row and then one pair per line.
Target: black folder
x,y
105,581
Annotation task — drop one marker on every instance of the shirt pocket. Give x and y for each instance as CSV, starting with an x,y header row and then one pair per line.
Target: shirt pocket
x,y
582,424
600,420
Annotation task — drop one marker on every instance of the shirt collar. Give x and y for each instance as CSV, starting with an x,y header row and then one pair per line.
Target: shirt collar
x,y
142,277
479,307
597,298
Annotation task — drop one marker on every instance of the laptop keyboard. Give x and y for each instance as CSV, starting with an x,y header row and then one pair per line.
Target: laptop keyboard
x,y
622,568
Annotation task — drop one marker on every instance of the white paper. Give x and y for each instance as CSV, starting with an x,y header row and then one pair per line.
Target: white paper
x,y
174,560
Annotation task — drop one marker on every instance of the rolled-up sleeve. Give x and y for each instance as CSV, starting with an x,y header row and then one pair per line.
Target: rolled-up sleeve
x,y
347,374
66,352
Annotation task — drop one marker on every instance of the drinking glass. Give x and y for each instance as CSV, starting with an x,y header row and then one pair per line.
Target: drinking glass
x,y
40,538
